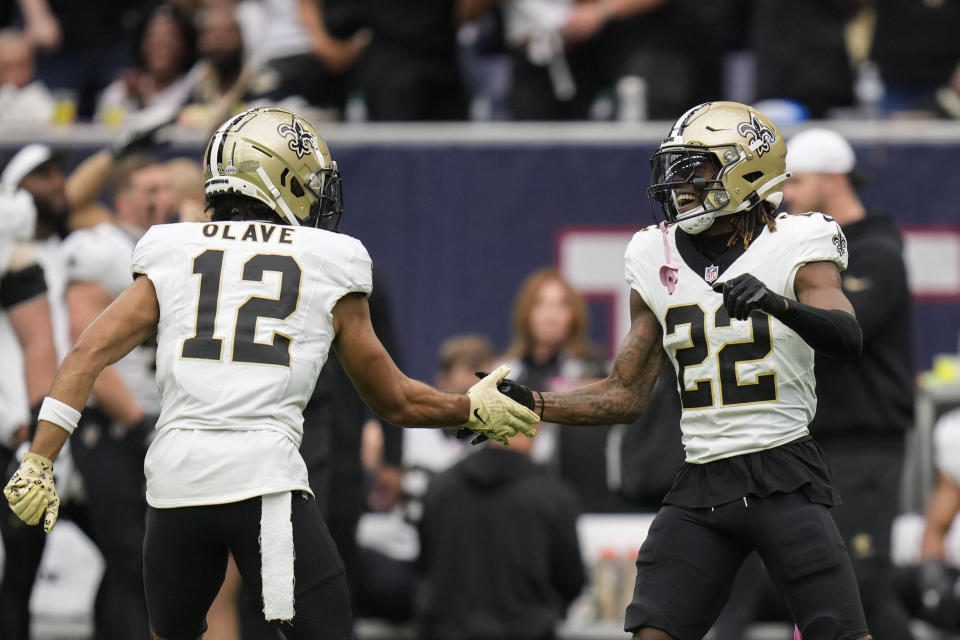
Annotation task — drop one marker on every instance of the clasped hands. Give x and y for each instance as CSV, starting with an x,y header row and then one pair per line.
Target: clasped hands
x,y
499,408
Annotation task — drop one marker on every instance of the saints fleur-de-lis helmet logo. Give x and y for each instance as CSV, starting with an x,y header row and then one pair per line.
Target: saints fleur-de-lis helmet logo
x,y
757,131
301,141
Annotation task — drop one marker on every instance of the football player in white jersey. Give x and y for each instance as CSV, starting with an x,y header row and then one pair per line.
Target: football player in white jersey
x,y
25,376
245,308
738,298
109,446
25,318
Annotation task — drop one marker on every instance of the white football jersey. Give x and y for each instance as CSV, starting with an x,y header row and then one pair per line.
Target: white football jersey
x,y
745,385
245,326
101,255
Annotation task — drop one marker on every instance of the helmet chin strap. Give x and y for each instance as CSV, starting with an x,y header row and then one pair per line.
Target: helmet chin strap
x,y
275,193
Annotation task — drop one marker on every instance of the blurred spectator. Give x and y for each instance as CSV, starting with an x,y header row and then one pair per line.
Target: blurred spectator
x,y
410,69
947,97
38,170
80,44
186,178
938,574
222,78
111,439
565,53
640,41
23,99
25,309
801,54
388,549
303,64
864,406
495,495
916,48
427,452
555,71
163,74
142,191
550,351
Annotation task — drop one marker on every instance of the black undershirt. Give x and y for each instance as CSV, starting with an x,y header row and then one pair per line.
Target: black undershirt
x,y
700,251
20,286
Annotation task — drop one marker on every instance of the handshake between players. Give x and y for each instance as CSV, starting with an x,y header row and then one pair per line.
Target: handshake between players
x,y
499,410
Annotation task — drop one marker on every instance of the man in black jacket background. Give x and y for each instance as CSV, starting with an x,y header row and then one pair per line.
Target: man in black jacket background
x,y
521,592
865,405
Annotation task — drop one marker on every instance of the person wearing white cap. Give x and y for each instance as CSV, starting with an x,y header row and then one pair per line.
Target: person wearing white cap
x,y
32,318
864,405
37,171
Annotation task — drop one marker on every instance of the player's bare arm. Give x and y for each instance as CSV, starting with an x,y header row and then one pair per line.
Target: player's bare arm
x,y
403,401
944,505
623,395
34,328
86,301
386,390
126,323
818,284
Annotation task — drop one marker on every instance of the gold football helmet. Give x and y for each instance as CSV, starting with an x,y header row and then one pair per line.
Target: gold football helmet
x,y
727,156
277,157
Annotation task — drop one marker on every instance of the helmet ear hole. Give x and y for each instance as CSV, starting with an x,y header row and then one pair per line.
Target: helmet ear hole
x,y
753,176
296,188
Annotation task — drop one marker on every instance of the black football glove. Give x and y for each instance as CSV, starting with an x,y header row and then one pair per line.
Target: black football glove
x,y
510,388
941,605
745,293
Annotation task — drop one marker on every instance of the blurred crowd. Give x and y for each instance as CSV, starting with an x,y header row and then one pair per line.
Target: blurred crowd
x,y
196,62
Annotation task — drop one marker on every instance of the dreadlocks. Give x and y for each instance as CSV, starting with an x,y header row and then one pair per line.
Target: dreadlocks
x,y
746,222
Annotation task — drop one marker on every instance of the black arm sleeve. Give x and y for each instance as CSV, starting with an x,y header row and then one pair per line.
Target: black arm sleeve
x,y
20,286
829,331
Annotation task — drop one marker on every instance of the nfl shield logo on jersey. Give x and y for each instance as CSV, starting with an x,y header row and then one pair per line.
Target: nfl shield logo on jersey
x,y
711,273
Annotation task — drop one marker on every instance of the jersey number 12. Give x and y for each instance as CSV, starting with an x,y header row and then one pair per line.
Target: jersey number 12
x,y
204,346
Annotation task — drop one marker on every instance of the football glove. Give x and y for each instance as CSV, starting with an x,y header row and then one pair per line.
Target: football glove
x,y
508,387
496,415
31,492
937,594
743,294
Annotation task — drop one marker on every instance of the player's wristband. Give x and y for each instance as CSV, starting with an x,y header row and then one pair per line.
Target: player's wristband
x,y
59,413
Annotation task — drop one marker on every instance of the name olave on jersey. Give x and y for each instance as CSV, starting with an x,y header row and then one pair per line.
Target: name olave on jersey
x,y
250,231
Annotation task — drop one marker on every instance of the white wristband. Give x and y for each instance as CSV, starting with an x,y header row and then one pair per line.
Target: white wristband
x,y
59,413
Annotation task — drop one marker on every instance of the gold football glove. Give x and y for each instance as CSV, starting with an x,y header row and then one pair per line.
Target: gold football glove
x,y
31,493
496,415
